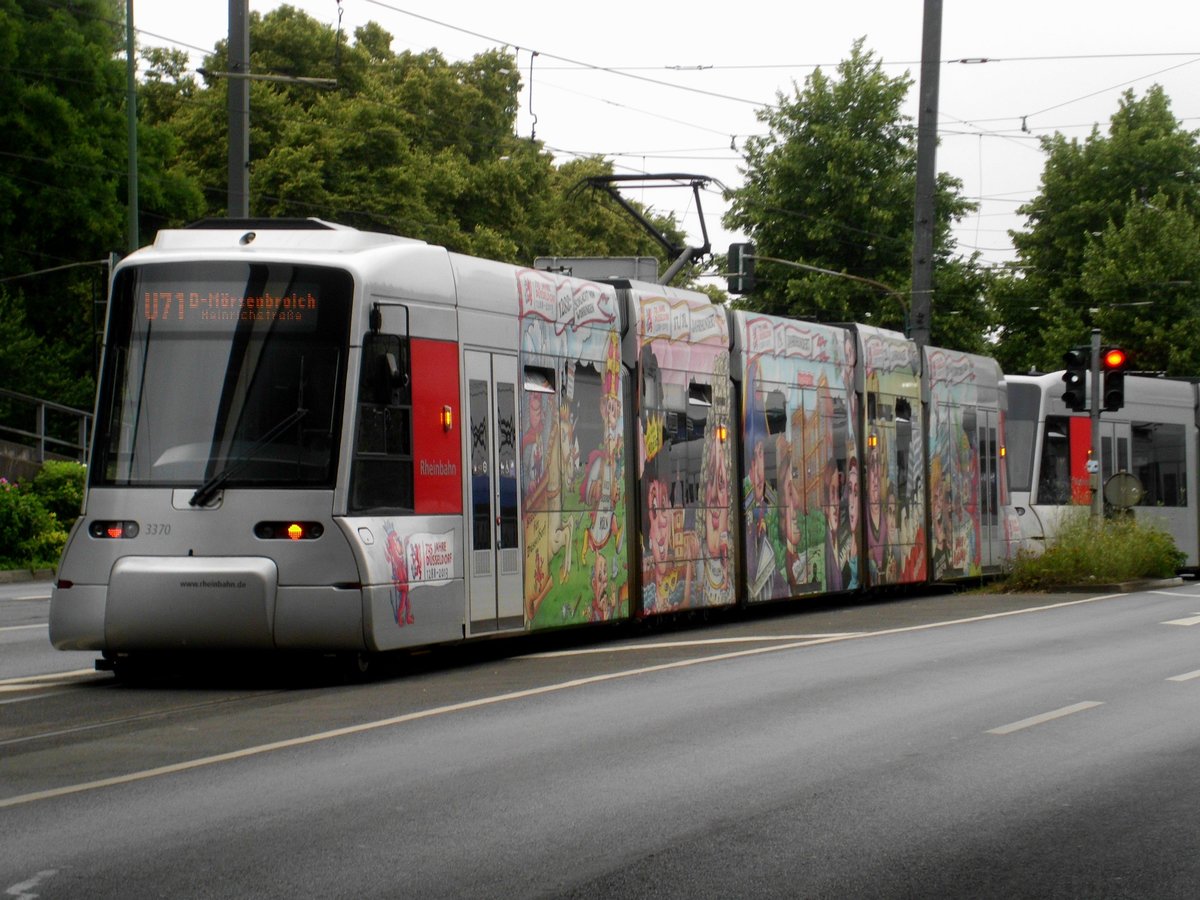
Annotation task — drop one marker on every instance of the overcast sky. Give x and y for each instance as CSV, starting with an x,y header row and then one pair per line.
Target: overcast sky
x,y
670,87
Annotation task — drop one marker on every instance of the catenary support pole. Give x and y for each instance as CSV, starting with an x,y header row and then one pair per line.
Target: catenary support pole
x,y
924,210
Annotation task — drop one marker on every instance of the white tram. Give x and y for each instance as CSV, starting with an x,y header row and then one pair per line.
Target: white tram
x,y
1152,437
316,438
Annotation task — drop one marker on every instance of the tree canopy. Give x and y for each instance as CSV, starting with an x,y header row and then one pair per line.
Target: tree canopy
x,y
416,144
409,143
831,186
1110,243
63,185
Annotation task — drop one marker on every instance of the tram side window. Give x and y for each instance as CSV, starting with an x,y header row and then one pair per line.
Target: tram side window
x,y
1054,478
990,469
904,438
1159,460
775,407
382,477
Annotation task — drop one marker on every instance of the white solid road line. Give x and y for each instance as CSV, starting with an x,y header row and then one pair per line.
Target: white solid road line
x,y
1045,717
703,642
50,679
1186,676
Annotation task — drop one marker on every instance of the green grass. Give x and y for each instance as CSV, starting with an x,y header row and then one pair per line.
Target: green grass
x,y
1115,550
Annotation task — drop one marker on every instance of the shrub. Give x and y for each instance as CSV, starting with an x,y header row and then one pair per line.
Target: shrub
x,y
59,486
1118,549
30,535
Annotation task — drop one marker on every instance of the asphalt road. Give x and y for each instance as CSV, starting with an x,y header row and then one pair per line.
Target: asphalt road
x,y
963,745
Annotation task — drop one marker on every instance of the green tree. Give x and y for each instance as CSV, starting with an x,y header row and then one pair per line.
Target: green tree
x,y
59,134
408,143
1090,190
1144,278
63,180
831,185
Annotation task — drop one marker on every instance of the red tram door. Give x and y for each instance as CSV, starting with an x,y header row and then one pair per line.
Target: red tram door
x,y
494,589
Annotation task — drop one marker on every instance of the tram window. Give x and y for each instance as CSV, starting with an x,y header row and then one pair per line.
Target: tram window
x,y
904,435
699,394
839,425
1023,406
382,477
539,380
1159,460
775,408
989,466
1054,478
969,424
506,451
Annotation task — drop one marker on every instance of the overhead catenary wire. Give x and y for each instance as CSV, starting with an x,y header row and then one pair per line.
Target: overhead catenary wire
x,y
1029,142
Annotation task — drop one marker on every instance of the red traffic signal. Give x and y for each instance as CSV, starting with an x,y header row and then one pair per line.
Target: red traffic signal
x,y
1114,358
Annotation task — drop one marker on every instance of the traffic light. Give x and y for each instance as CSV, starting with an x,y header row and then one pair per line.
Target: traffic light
x,y
1077,361
1112,364
741,268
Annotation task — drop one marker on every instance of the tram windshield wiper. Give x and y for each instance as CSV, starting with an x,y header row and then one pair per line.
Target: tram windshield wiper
x,y
206,491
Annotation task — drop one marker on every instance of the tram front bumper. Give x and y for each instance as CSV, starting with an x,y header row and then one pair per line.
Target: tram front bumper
x,y
166,602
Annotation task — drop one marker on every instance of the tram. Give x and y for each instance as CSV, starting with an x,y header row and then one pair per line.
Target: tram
x,y
1153,437
310,437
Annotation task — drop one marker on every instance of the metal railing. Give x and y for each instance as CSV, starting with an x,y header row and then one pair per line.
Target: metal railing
x,y
55,429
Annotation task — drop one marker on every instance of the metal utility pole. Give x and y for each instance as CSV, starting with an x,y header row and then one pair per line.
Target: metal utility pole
x,y
239,110
131,119
923,217
1096,462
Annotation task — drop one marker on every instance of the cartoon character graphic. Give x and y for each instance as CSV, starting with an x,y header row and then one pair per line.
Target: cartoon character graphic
x,y
604,603
572,467
762,516
847,545
397,557
878,558
791,546
669,560
600,487
715,513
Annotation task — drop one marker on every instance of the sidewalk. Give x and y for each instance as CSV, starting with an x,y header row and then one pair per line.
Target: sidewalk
x,y
17,576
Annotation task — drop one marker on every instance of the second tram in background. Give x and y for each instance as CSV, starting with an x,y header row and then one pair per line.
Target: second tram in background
x,y
311,437
1153,437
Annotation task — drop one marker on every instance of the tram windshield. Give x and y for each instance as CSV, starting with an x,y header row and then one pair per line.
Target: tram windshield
x,y
229,371
1024,402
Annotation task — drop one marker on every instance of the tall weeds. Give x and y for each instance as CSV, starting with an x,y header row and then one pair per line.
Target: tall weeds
x,y
1080,553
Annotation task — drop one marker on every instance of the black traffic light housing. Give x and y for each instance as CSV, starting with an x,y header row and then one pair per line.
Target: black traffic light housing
x,y
741,268
1077,361
1113,361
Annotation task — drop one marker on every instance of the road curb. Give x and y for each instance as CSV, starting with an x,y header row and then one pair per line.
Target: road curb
x,y
18,576
1122,587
